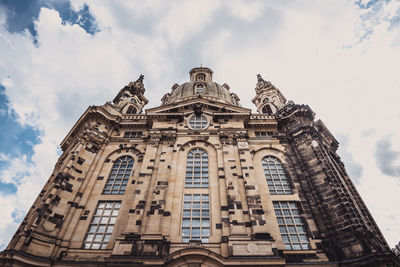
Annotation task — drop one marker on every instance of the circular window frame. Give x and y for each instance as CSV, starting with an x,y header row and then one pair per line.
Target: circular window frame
x,y
194,129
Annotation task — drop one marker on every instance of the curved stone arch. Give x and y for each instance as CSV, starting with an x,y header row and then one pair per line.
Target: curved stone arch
x,y
268,108
198,143
194,255
137,154
128,105
277,151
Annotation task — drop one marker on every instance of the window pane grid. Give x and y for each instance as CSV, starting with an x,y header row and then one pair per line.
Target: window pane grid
x,y
197,169
200,89
119,176
198,122
102,225
291,226
133,134
196,218
277,182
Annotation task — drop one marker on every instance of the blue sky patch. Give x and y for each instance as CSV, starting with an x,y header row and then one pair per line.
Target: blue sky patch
x,y
6,188
16,140
21,14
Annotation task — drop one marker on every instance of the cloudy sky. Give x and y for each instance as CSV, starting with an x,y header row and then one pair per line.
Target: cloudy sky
x,y
339,57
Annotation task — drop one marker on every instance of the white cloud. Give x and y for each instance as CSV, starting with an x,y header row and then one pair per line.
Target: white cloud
x,y
245,9
296,45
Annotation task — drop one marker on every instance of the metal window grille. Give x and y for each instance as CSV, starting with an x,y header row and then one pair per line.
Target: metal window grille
x,y
196,218
197,168
291,225
198,122
102,225
119,176
275,174
132,134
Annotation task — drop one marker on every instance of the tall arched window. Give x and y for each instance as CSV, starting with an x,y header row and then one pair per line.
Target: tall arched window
x,y
197,168
275,174
119,176
131,110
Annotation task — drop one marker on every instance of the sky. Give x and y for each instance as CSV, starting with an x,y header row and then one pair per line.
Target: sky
x,y
339,57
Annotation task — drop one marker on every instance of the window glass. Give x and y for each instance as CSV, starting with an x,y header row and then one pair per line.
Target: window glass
x,y
195,224
297,238
119,176
275,175
198,122
197,171
101,227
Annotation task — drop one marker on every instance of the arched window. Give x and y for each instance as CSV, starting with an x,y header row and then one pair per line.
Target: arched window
x,y
197,168
131,110
119,176
275,174
267,109
200,88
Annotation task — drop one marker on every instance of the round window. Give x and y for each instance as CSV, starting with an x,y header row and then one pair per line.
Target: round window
x,y
198,122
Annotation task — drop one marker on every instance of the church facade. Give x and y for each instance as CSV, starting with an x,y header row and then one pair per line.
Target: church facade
x,y
198,181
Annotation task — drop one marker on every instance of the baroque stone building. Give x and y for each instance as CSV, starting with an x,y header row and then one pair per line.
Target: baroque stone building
x,y
198,181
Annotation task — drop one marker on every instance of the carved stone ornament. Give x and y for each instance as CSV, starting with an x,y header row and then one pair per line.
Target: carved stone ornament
x,y
93,135
261,83
228,140
154,139
243,145
138,84
168,139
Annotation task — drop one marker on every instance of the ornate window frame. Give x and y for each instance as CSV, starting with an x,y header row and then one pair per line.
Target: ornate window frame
x,y
192,124
118,177
276,176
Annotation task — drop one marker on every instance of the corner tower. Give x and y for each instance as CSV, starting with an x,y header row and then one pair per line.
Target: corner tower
x,y
268,98
198,181
130,99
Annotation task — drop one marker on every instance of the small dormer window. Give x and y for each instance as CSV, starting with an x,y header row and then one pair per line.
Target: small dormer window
x,y
131,110
200,88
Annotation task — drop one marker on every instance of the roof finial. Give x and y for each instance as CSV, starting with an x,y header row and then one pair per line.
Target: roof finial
x,y
201,65
259,78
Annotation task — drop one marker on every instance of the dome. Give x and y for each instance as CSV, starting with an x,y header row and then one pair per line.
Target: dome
x,y
201,84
